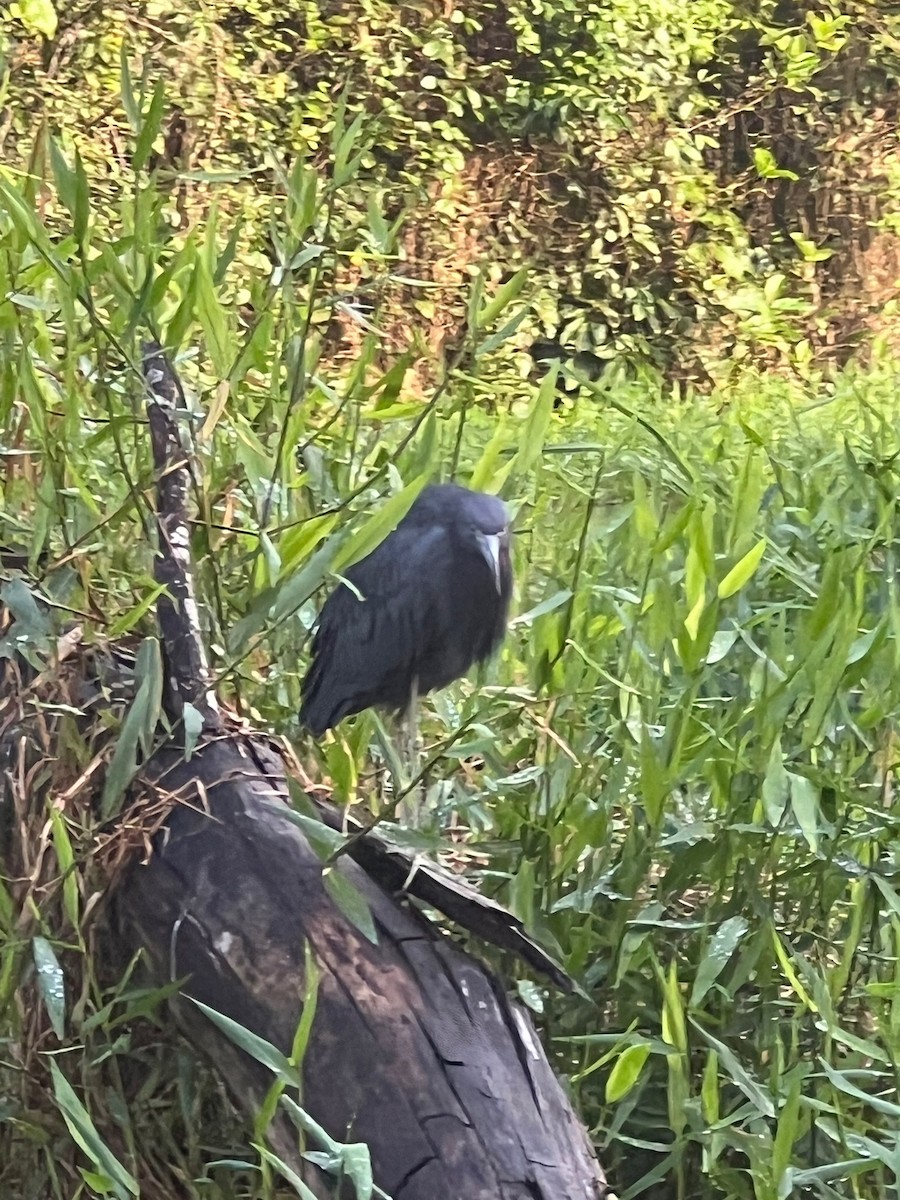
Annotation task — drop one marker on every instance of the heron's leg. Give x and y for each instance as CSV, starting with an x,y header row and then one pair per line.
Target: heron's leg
x,y
408,808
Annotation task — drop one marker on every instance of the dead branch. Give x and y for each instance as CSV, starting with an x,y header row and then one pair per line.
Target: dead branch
x,y
187,669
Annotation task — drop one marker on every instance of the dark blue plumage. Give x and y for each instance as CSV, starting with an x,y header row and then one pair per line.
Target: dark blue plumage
x,y
437,593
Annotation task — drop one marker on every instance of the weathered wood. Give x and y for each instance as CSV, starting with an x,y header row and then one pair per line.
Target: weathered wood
x,y
415,1049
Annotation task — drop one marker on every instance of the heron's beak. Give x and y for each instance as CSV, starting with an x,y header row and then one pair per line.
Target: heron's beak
x,y
492,546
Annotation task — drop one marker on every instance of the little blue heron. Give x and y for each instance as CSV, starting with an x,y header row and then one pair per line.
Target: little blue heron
x,y
435,598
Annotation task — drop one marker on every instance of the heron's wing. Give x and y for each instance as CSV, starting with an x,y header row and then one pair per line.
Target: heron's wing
x,y
364,650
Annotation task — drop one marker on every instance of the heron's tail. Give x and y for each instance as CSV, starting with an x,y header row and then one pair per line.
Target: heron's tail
x,y
322,706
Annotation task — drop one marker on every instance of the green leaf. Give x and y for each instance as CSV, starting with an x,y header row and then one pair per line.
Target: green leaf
x,y
309,253
534,431
65,857
265,1112
788,967
626,1071
129,619
722,946
805,805
297,544
531,994
85,1135
350,900
742,571
8,910
692,620
97,1182
489,344
695,575
214,320
869,1099
324,840
673,1027
766,166
487,476
739,1075
38,16
387,389
351,1160
254,1045
776,786
51,983
709,1089
345,163
31,620
151,121
138,728
227,257
193,727
503,297
183,317
787,1133
278,603
72,185
310,1004
25,220
288,1173
302,189
557,600
127,90
675,1034
809,251
373,532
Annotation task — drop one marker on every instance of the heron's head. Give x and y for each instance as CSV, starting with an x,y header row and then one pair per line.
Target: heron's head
x,y
478,518
489,525
495,548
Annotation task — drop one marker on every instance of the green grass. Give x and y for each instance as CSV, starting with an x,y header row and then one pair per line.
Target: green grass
x,y
680,771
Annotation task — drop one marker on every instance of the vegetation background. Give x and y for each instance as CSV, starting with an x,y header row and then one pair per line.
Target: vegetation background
x,y
636,267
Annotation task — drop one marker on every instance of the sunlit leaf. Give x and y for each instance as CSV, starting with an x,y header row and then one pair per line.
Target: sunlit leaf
x,y
502,298
51,983
626,1071
38,16
742,571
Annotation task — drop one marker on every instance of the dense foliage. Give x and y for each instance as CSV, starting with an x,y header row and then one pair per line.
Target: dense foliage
x,y
681,770
696,186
